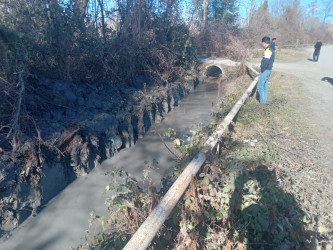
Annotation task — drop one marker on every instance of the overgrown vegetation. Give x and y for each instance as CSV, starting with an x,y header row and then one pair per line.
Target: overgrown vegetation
x,y
86,42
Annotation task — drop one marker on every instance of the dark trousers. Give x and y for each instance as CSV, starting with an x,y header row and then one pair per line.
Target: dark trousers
x,y
316,55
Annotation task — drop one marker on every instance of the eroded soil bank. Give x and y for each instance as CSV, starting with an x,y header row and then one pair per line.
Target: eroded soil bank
x,y
63,221
77,126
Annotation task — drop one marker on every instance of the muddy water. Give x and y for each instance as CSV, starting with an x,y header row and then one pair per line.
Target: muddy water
x,y
62,223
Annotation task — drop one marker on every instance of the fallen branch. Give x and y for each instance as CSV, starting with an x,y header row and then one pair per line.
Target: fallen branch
x,y
4,80
166,145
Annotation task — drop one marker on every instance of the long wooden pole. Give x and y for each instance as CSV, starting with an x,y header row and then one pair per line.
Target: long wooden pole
x,y
249,67
147,231
216,136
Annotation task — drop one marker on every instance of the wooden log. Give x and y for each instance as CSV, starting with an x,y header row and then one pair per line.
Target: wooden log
x,y
249,67
147,231
216,136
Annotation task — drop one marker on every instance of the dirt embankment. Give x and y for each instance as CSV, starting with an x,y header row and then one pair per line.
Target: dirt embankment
x,y
78,126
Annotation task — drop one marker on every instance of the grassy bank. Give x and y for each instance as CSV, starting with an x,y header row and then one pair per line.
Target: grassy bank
x,y
265,190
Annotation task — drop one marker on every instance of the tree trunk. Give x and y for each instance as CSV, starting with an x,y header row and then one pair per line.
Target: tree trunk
x,y
101,6
80,7
204,17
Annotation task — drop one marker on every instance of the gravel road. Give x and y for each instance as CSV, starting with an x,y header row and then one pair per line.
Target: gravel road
x,y
317,87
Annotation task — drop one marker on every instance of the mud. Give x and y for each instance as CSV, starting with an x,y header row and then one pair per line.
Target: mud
x,y
77,126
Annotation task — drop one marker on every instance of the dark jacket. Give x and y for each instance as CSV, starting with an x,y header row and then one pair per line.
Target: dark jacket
x,y
318,45
267,59
272,48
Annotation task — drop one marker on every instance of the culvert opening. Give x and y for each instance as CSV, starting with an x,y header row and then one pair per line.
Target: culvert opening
x,y
213,71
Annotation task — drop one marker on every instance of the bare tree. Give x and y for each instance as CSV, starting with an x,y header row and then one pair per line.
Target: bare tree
x,y
101,6
205,4
313,7
327,9
250,7
80,6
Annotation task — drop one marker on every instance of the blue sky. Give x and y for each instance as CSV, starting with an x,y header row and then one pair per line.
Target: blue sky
x,y
305,4
319,5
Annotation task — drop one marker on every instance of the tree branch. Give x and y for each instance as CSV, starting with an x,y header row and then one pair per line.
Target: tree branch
x,y
15,124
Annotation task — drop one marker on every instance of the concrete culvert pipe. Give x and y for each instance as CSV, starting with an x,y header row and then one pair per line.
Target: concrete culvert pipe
x,y
213,71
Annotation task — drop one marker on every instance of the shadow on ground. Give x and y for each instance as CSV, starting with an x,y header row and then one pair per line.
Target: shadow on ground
x,y
262,215
327,79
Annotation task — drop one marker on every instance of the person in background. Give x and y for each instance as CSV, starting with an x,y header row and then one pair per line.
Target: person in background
x,y
265,68
316,53
273,43
273,46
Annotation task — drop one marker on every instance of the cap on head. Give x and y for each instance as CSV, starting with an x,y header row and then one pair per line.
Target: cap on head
x,y
273,39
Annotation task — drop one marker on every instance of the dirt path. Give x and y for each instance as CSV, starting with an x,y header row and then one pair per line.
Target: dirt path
x,y
317,87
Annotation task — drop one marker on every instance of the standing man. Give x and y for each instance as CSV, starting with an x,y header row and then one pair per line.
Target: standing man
x,y
316,53
266,69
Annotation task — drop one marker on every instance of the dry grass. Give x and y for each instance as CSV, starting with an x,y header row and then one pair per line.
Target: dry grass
x,y
284,132
292,55
287,55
